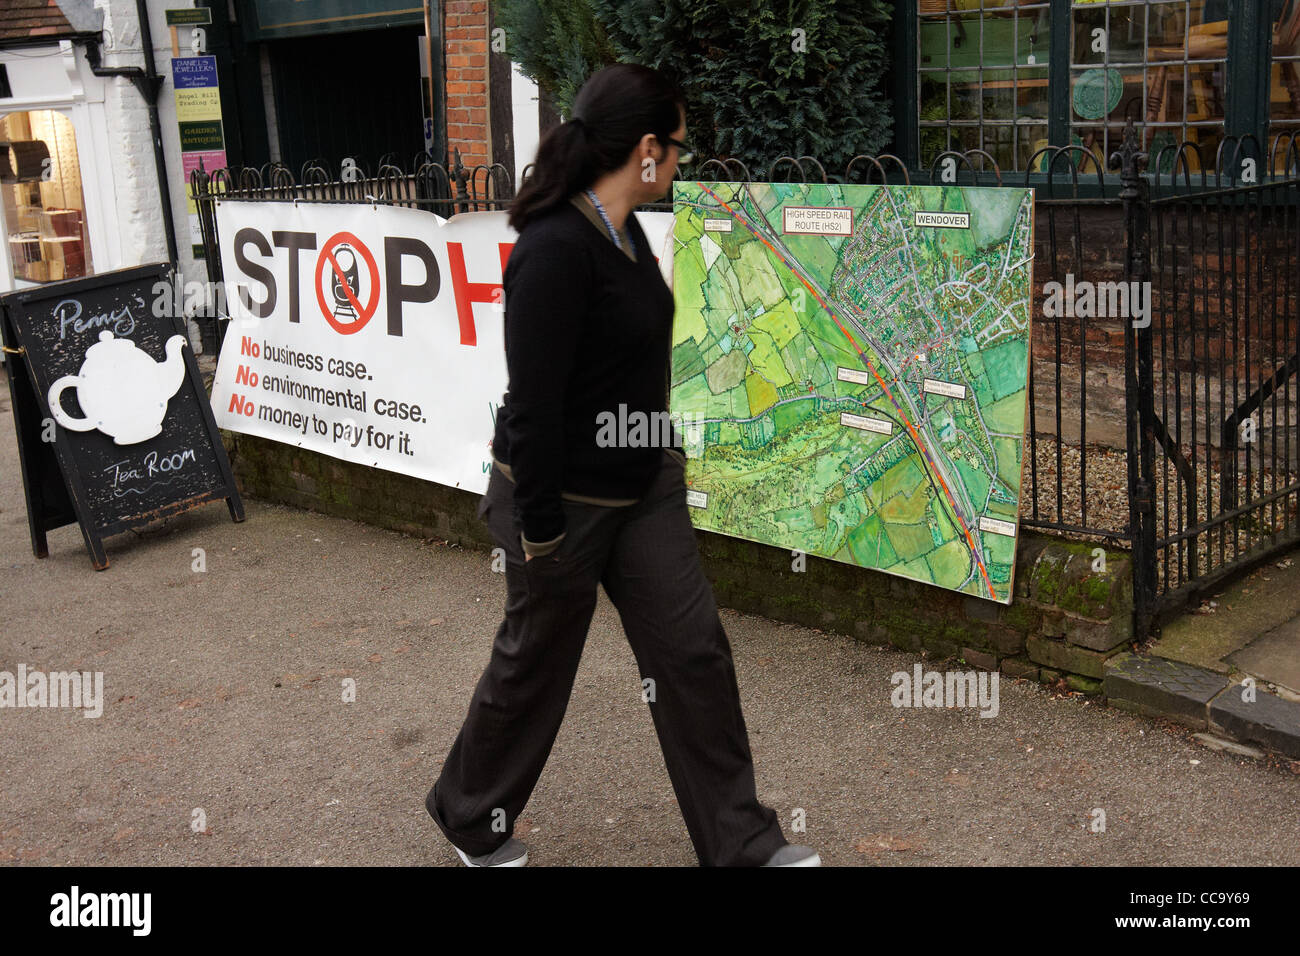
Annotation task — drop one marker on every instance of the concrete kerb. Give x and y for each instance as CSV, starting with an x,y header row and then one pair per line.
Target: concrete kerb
x,y
1203,700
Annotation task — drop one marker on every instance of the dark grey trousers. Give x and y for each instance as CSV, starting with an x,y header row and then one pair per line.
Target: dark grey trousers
x,y
645,557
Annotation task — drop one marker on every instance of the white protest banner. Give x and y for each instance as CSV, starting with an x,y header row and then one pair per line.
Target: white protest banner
x,y
370,333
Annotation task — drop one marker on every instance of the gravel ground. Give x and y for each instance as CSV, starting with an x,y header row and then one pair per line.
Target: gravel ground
x,y
1108,503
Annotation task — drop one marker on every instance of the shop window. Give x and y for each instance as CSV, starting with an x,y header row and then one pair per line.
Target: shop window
x,y
1162,65
984,78
1013,76
43,211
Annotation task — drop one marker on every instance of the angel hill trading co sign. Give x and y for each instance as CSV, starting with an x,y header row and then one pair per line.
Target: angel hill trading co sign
x,y
114,426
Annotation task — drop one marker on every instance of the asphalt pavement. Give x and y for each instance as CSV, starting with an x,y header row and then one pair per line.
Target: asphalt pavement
x,y
225,737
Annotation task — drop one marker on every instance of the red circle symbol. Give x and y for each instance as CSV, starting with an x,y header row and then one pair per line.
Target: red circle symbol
x,y
351,303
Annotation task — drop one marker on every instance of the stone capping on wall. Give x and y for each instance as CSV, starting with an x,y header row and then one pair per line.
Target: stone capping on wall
x,y
1065,619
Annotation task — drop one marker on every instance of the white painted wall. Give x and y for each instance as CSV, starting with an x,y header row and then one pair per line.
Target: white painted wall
x,y
527,122
131,152
124,215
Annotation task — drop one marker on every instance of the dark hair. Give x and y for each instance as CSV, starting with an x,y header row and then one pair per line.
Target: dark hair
x,y
613,110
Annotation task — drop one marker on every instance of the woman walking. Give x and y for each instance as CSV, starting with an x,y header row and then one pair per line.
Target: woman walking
x,y
588,331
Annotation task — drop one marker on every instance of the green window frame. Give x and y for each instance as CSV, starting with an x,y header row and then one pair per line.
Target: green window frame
x,y
1237,66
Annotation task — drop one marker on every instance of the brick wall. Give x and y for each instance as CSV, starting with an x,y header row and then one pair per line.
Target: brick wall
x,y
1095,345
468,122
1067,617
1214,320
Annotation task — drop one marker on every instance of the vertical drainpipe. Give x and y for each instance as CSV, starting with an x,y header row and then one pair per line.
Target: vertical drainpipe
x,y
155,130
149,84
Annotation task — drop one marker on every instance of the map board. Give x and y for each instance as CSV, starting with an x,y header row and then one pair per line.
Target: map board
x,y
850,363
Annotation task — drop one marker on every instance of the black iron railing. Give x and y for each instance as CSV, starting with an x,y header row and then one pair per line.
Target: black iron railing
x,y
1217,401
1169,433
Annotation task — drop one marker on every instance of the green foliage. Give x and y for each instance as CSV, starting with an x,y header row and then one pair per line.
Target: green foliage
x,y
798,78
557,43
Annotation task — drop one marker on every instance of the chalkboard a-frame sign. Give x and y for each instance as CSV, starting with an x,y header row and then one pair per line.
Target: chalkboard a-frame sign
x,y
117,389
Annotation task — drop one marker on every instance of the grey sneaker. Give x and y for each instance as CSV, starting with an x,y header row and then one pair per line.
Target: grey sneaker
x,y
510,853
790,855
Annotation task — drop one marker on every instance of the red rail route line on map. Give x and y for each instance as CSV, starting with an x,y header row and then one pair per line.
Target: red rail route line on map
x,y
859,350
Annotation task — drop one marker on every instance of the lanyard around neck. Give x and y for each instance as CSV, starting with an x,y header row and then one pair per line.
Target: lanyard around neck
x,y
604,217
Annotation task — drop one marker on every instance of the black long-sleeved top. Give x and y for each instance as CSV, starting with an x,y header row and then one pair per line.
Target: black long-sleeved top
x,y
586,330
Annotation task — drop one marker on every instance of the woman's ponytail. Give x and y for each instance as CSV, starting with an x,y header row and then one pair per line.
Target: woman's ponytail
x,y
562,167
613,110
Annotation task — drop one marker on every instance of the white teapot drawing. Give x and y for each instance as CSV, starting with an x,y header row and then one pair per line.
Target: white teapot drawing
x,y
123,391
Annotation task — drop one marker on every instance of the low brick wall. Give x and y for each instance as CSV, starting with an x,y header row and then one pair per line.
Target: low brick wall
x,y
1065,620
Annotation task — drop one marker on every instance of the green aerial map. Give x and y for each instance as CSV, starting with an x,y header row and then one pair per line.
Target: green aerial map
x,y
849,364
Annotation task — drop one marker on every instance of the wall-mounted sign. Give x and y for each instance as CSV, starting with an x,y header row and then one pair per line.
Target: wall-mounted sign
x,y
190,17
198,115
113,422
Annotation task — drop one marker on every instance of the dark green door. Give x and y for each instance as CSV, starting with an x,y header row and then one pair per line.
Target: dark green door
x,y
346,95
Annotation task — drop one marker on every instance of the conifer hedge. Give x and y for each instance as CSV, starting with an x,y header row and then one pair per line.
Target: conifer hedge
x,y
805,77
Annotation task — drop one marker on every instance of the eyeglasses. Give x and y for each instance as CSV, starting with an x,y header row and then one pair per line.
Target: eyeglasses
x,y
684,154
